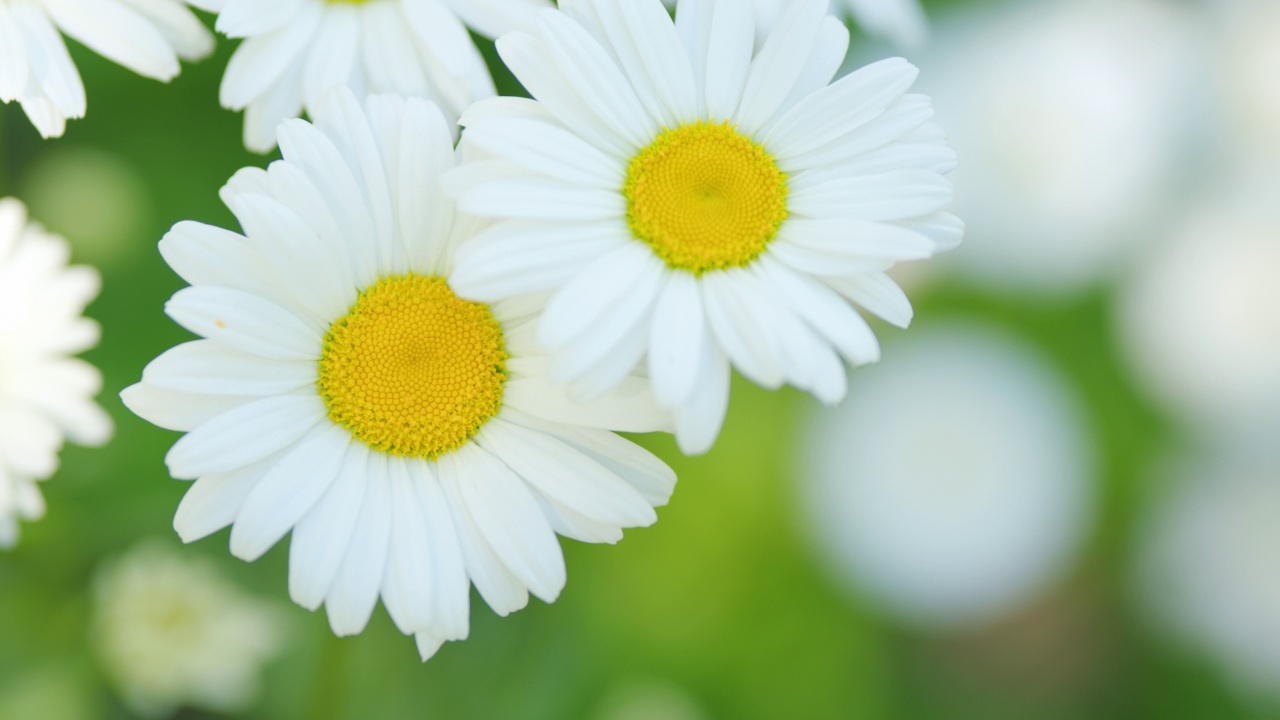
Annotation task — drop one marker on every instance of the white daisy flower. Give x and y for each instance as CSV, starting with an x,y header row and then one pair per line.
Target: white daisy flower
x,y
171,632
296,50
991,513
45,395
145,36
696,202
410,439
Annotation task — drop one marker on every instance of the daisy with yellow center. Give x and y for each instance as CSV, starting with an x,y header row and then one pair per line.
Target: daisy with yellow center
x,y
342,391
294,51
695,199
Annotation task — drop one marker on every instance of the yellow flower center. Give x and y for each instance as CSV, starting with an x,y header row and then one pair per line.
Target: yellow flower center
x,y
413,370
705,197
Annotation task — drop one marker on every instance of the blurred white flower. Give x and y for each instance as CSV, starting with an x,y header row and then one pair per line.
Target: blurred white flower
x,y
955,482
45,396
170,632
295,50
1067,117
1247,55
145,36
1208,567
1201,322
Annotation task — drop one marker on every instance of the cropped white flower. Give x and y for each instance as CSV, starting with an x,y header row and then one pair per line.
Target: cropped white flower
x,y
957,480
45,396
697,202
171,631
146,36
408,438
296,50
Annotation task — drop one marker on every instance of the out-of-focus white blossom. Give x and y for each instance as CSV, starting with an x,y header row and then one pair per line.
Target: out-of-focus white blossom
x,y
1208,566
956,480
46,396
1068,117
1201,322
172,632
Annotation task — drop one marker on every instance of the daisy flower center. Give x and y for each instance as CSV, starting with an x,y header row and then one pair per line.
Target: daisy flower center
x,y
413,370
705,197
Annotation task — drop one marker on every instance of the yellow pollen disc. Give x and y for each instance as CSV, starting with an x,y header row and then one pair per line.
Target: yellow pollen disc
x,y
413,370
705,197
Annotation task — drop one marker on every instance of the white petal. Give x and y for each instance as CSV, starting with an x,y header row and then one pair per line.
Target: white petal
x,y
893,195
213,501
678,336
451,590
354,594
520,257
639,467
567,476
118,33
504,592
825,312
579,306
320,539
878,293
698,422
775,70
243,435
629,407
245,322
407,586
511,522
208,368
171,410
289,490
840,107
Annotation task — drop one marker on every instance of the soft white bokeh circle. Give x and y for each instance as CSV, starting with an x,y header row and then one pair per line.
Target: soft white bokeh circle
x,y
956,481
1069,117
1208,566
1201,321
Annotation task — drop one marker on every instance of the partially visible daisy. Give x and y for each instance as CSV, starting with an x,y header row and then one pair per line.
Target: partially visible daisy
x,y
173,632
409,439
295,50
146,36
46,396
694,202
